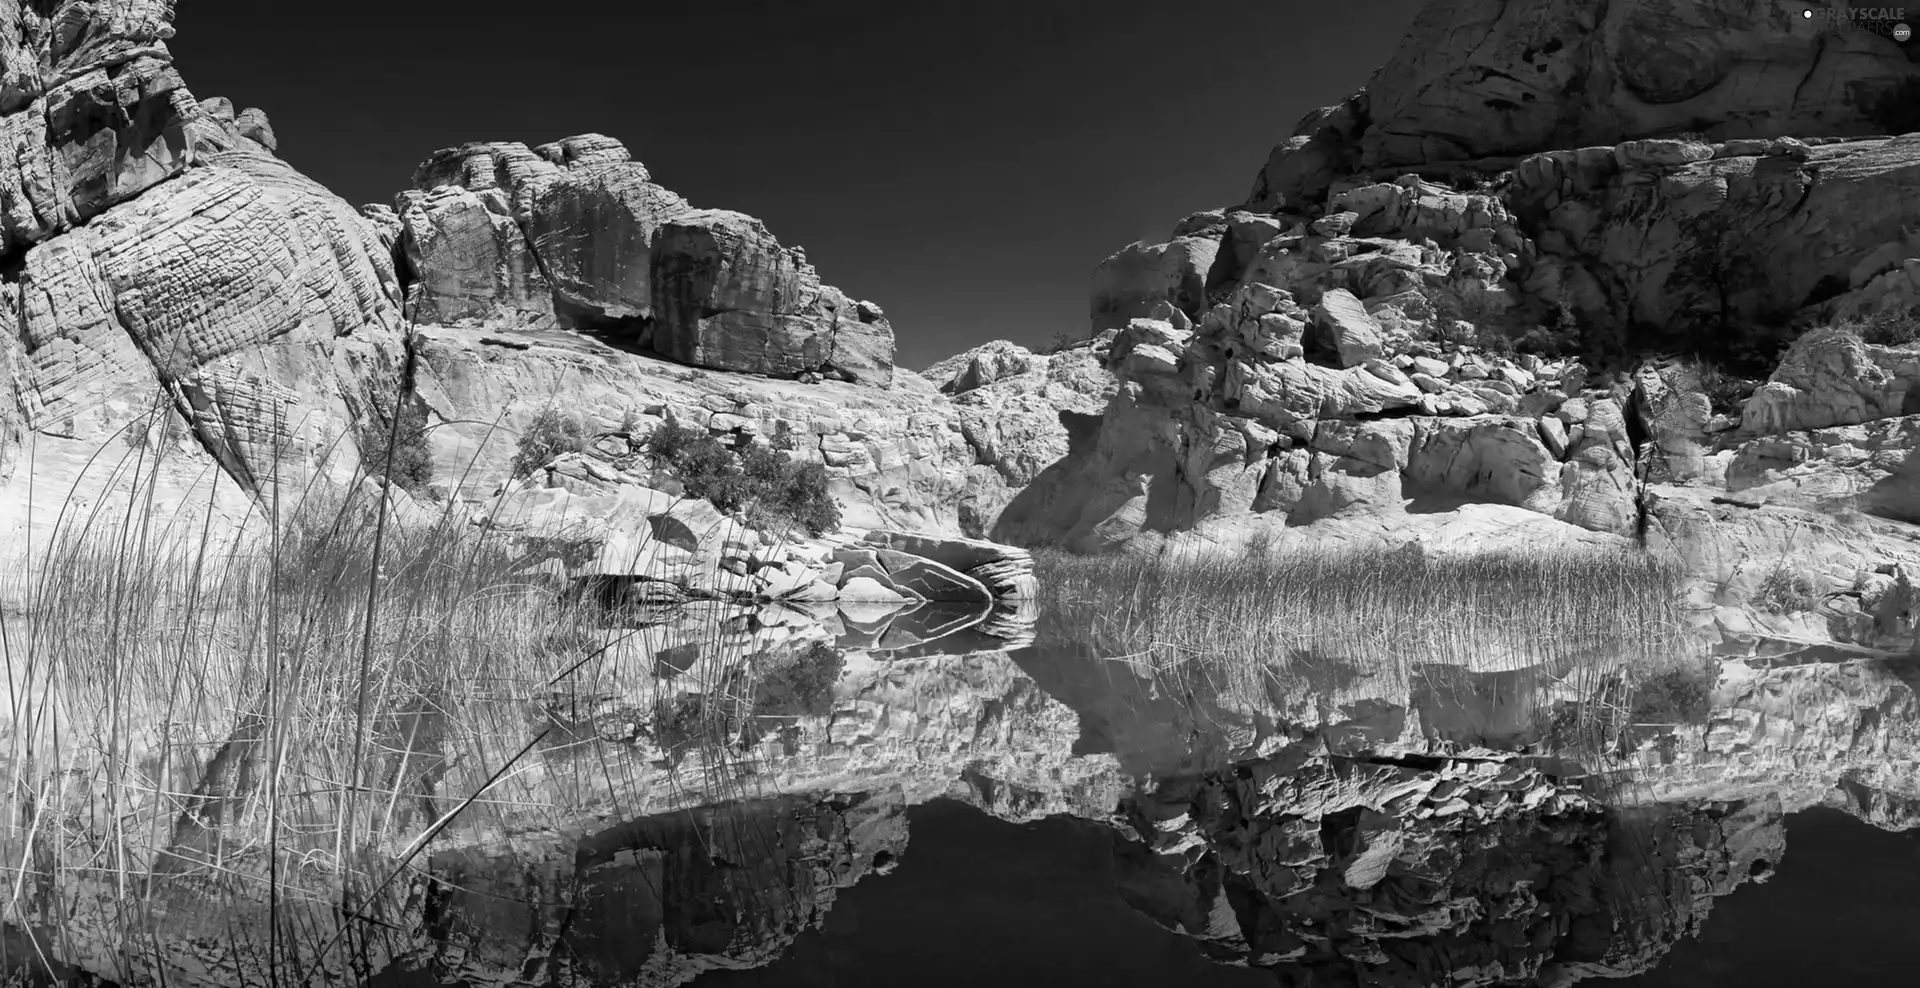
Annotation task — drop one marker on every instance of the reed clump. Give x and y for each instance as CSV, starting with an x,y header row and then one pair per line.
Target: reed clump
x,y
1248,625
246,749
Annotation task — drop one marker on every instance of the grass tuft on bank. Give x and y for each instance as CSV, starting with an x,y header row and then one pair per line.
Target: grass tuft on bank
x,y
257,747
1256,627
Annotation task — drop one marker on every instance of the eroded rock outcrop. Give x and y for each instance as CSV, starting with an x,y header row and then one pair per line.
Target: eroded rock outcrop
x,y
1477,79
1341,379
705,287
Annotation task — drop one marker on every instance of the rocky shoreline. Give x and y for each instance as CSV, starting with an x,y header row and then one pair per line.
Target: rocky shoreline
x,y
1468,308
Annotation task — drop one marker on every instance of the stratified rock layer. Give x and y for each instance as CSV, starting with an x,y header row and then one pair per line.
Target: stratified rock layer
x,y
705,287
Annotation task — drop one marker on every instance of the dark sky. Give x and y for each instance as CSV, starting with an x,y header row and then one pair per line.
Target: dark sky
x,y
963,165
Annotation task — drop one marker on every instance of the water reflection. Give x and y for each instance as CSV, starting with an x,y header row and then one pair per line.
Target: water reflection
x,y
708,787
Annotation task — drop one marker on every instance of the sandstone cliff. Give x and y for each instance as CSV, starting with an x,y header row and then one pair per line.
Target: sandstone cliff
x,y
1334,360
195,321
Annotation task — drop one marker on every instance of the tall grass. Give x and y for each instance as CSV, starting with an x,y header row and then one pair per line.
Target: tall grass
x,y
1251,628
232,765
1597,639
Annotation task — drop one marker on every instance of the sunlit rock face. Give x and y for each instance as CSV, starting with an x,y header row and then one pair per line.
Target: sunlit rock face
x,y
1335,385
1018,411
705,287
172,267
174,279
93,108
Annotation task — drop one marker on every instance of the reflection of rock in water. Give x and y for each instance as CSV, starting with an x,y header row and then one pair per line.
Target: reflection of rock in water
x,y
1886,810
1339,871
657,900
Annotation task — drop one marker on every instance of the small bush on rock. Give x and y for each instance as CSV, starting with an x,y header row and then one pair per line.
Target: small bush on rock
x,y
551,433
410,465
1562,338
1897,328
802,687
1784,591
1726,392
775,492
1674,696
1058,343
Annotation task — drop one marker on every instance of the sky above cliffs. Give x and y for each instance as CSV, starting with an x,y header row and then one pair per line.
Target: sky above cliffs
x,y
965,166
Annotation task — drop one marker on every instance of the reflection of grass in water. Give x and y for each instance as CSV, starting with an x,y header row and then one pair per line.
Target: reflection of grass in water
x,y
1605,630
247,731
256,749
1243,622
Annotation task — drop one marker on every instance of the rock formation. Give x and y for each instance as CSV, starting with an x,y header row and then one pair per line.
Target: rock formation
x,y
657,900
1330,362
217,323
1476,79
1333,361
487,226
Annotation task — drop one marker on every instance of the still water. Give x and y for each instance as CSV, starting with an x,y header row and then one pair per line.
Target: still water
x,y
866,796
1035,815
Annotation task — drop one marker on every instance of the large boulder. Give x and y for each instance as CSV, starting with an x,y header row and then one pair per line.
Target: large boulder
x,y
1140,276
269,282
707,287
1830,377
1005,571
594,228
728,296
470,258
1346,329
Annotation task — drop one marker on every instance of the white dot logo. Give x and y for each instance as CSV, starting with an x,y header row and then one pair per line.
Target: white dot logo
x,y
1901,33
1806,15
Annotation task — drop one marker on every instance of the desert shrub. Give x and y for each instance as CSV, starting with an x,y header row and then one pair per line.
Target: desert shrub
x,y
402,459
1452,323
1726,392
1784,590
551,433
671,438
802,687
1450,332
784,439
1059,342
776,492
1562,338
1678,695
1896,328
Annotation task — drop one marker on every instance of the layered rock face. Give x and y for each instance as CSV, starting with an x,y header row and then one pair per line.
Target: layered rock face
x,y
92,110
1018,412
1318,365
176,288
576,227
216,322
1478,79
